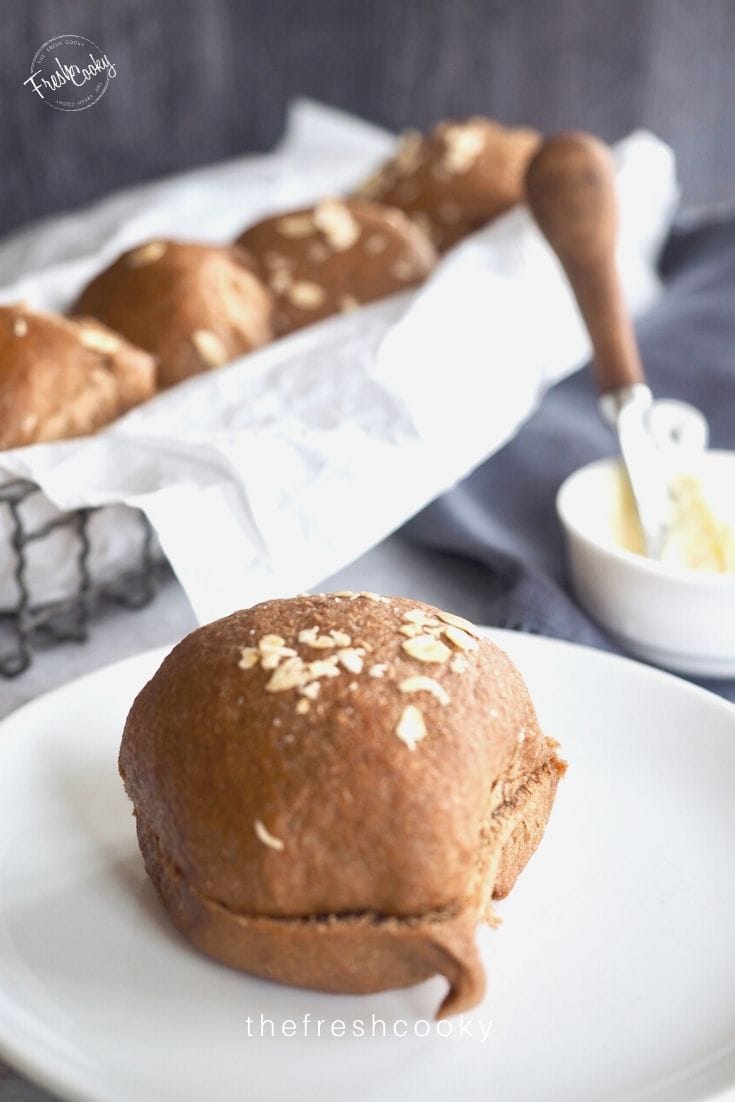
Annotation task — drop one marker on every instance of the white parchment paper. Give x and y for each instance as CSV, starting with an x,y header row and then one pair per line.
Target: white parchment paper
x,y
268,475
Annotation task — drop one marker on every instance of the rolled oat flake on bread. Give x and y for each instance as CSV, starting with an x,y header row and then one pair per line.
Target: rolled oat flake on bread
x,y
311,822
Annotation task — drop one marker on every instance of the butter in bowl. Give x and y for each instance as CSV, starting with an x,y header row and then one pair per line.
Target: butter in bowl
x,y
678,610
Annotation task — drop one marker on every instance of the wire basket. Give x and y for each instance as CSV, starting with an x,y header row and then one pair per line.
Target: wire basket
x,y
31,623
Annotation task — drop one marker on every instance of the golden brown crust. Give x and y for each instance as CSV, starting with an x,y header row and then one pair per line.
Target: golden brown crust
x,y
194,306
330,258
525,822
355,954
457,178
360,953
61,378
289,830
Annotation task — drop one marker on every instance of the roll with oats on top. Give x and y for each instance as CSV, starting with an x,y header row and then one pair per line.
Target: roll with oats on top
x,y
331,790
457,178
194,306
61,378
333,257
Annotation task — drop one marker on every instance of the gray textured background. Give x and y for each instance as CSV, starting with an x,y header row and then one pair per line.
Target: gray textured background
x,y
200,80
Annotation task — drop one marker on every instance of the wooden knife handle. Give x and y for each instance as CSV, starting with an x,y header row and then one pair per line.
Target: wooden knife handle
x,y
570,188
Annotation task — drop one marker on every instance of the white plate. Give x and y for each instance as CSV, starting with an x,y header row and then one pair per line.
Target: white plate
x,y
612,977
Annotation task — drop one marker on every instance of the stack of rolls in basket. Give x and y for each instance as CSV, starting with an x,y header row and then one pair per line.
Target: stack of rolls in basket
x,y
167,310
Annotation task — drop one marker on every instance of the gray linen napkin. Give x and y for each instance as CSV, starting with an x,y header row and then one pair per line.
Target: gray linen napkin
x,y
502,516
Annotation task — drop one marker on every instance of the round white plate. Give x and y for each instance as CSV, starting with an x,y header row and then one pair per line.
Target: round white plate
x,y
611,978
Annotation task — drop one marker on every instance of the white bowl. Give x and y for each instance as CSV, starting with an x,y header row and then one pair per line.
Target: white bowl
x,y
671,616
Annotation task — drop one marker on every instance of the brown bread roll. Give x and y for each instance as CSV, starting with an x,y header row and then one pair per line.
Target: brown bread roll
x,y
330,791
457,178
195,307
62,377
330,258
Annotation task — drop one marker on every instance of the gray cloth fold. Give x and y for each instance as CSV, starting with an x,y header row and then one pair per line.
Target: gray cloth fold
x,y
503,517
